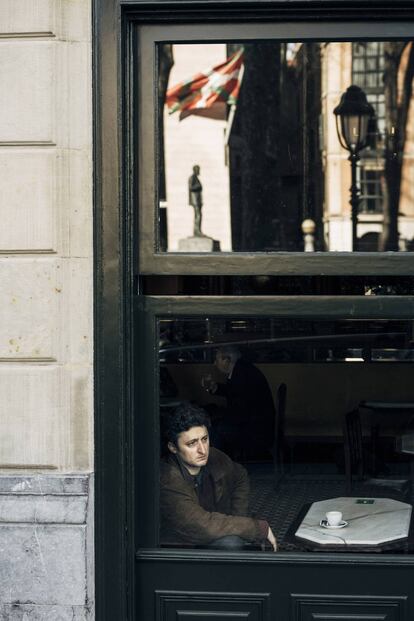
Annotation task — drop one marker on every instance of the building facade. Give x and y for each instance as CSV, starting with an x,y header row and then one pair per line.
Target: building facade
x,y
85,285
46,360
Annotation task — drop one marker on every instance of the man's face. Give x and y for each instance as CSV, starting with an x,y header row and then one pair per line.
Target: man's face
x,y
192,448
223,363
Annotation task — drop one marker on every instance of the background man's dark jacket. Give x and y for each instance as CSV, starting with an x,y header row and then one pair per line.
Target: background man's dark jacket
x,y
249,400
183,520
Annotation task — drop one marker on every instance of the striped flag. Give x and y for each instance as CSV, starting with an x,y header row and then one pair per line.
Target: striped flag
x,y
208,94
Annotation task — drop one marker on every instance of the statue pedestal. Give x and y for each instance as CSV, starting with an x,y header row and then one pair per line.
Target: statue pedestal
x,y
198,244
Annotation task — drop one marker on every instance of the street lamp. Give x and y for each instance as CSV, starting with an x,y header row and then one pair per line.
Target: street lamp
x,y
352,118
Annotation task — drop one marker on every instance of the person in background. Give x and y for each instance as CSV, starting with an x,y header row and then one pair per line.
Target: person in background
x,y
203,493
247,422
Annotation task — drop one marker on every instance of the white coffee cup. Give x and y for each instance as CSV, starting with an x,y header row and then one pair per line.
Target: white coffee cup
x,y
334,518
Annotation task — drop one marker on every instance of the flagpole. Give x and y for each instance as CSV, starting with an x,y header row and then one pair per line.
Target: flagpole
x,y
232,112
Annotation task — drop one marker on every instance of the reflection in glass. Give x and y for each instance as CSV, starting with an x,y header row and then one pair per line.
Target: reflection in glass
x,y
256,122
320,377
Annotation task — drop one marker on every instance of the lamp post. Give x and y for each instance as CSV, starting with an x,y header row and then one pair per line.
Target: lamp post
x,y
352,117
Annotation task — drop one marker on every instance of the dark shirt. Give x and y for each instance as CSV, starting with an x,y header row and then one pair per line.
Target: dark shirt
x,y
204,488
249,399
203,485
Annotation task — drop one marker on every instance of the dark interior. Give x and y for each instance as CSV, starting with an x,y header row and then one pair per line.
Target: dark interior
x,y
329,370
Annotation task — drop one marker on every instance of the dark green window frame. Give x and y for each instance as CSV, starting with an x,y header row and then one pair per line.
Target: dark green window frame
x,y
116,185
142,108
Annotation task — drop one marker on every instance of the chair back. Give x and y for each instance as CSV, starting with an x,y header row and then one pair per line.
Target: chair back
x,y
353,449
281,395
279,433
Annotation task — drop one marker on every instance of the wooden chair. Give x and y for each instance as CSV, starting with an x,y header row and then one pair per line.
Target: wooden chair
x,y
279,434
355,470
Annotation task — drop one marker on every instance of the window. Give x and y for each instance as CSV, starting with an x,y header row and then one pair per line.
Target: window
x,y
371,180
355,359
200,281
240,174
368,67
285,203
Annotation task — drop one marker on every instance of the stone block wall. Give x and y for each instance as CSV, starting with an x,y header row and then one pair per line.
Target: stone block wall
x,y
46,329
46,544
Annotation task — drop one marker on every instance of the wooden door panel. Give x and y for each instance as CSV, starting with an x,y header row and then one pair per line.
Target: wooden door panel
x,y
348,608
219,615
211,606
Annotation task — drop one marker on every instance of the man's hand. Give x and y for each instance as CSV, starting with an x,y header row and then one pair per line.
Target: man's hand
x,y
209,384
272,539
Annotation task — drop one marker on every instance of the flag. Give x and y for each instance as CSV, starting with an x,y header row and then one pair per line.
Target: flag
x,y
208,94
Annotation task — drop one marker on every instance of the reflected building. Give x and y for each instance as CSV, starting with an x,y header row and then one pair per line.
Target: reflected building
x,y
276,161
362,64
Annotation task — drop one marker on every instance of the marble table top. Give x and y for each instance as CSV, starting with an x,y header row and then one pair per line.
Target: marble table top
x,y
371,521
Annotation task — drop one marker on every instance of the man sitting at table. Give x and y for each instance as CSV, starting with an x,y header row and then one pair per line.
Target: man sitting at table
x,y
247,422
204,494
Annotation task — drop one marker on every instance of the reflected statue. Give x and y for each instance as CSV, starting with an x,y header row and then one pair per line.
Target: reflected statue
x,y
199,242
195,199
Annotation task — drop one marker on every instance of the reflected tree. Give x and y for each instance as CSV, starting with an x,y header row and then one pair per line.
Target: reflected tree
x,y
398,78
311,179
165,64
255,151
275,166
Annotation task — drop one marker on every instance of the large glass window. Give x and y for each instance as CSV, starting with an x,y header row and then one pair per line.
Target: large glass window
x,y
319,412
249,157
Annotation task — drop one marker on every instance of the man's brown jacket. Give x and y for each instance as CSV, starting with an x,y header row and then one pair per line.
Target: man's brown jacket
x,y
183,520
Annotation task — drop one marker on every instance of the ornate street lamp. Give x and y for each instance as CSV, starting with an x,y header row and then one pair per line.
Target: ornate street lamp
x,y
353,114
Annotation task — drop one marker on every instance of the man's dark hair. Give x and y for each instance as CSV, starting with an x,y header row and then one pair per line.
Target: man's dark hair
x,y
183,418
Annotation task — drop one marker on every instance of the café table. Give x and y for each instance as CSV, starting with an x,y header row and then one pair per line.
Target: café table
x,y
373,525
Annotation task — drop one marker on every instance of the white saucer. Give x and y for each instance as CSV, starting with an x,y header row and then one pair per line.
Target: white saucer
x,y
324,524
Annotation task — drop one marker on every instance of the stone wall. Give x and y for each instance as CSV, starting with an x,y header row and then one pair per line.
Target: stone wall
x,y
46,544
46,329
